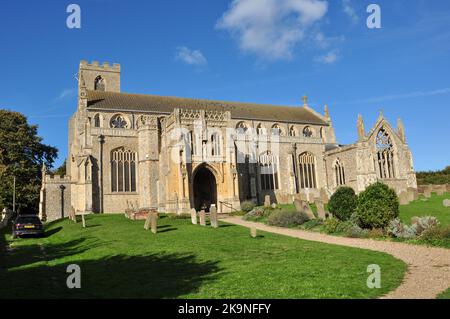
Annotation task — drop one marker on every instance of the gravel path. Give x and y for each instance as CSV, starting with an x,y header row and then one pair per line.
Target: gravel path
x,y
428,272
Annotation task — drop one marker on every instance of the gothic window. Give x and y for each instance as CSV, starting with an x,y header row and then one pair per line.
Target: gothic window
x,y
97,120
292,131
260,130
118,121
242,127
339,173
307,132
276,130
99,84
123,171
268,166
307,170
385,155
215,144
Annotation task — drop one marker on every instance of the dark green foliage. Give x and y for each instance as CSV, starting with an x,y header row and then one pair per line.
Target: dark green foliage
x,y
377,206
247,206
22,154
287,218
436,178
61,170
343,203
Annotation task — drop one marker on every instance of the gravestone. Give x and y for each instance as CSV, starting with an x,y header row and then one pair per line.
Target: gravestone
x,y
267,201
412,194
213,217
147,222
298,205
446,203
440,190
202,218
154,222
302,206
321,210
427,192
194,216
324,196
403,198
253,232
72,214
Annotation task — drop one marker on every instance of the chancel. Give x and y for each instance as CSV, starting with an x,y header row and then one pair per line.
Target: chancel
x,y
173,154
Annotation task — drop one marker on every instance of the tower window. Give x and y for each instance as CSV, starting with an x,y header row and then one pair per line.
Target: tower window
x,y
99,84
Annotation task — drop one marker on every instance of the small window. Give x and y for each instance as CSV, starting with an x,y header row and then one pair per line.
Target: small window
x,y
97,121
99,84
242,127
119,121
292,131
276,130
307,132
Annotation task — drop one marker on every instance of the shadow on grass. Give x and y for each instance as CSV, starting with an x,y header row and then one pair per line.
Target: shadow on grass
x,y
121,276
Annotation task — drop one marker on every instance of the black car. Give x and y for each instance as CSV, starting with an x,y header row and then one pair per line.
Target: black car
x,y
27,225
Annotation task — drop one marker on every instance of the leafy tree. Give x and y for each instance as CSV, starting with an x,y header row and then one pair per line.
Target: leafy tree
x,y
22,155
61,170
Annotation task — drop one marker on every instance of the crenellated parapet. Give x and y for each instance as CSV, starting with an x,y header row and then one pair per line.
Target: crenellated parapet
x,y
95,65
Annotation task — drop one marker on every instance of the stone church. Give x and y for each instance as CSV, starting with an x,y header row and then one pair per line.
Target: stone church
x,y
133,151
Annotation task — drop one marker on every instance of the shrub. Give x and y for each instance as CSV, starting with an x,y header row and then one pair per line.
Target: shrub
x,y
333,225
313,223
399,230
424,223
356,232
376,233
342,203
377,206
247,206
179,216
287,218
436,233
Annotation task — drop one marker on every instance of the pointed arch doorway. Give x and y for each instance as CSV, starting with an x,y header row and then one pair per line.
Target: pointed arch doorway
x,y
205,188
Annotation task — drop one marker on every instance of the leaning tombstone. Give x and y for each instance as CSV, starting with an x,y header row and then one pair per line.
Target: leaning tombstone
x,y
213,217
194,216
154,222
308,211
83,220
298,205
267,201
253,232
321,213
446,203
202,218
427,192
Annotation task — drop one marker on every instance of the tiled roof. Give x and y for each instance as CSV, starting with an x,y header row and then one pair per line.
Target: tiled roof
x,y
164,104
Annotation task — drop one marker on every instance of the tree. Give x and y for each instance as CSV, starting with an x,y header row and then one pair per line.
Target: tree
x,y
22,155
342,203
61,170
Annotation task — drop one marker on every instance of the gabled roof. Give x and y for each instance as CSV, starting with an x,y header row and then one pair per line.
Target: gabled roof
x,y
100,100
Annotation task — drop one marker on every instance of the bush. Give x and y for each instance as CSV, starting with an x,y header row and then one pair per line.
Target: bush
x,y
258,213
436,233
313,223
333,225
287,218
179,216
399,230
342,203
247,206
356,232
424,223
377,206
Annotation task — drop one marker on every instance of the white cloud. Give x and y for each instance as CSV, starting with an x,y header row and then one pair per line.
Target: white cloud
x,y
66,93
271,28
328,58
191,57
349,10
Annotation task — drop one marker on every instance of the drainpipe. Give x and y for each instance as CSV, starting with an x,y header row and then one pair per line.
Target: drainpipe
x,y
101,141
62,188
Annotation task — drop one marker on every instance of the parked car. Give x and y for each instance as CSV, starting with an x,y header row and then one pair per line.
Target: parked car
x,y
27,225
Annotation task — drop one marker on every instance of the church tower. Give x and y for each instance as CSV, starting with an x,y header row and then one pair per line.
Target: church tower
x,y
98,77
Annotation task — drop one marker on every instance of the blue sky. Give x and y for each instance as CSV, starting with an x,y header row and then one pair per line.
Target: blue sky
x,y
263,51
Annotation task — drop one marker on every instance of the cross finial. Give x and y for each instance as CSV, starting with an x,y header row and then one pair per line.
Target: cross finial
x,y
305,100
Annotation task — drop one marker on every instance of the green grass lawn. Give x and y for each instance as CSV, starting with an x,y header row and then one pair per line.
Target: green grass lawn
x,y
445,295
427,207
119,259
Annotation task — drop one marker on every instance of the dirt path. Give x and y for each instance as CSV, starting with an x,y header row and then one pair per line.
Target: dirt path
x,y
428,272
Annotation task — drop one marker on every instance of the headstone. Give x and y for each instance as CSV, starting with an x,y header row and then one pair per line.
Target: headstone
x,y
446,203
83,220
202,218
213,217
324,196
274,205
148,222
427,192
440,190
321,210
72,214
403,198
302,206
154,222
267,201
253,232
412,194
194,216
